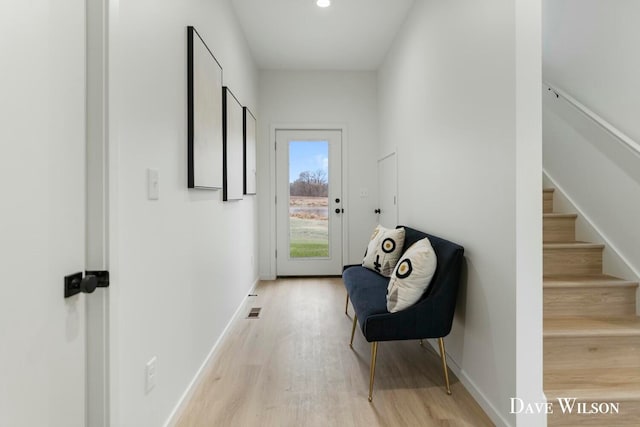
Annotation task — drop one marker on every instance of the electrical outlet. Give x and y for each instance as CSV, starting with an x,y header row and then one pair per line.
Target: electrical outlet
x,y
151,373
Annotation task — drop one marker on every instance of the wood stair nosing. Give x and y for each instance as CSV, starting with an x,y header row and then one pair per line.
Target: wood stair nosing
x,y
572,245
591,327
586,281
593,395
560,215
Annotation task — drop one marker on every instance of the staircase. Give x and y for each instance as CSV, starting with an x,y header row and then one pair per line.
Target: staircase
x,y
591,331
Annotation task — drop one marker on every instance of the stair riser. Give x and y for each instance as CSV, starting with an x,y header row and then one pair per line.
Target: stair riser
x,y
560,229
561,353
572,261
547,202
629,415
596,302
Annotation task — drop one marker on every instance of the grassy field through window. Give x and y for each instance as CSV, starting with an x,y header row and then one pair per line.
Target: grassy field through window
x,y
309,227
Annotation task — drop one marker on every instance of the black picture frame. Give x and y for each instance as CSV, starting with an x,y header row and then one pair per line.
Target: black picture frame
x,y
249,132
204,105
233,147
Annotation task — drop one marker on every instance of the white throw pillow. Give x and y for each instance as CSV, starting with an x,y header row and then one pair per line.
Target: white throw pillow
x,y
412,276
384,250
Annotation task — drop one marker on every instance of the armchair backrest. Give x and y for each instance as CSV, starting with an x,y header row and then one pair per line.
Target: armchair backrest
x,y
443,290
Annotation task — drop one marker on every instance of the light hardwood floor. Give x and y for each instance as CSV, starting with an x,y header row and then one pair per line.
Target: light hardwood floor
x,y
293,367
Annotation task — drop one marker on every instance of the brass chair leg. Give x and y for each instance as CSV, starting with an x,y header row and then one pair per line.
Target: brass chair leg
x,y
353,330
443,355
346,306
374,353
420,342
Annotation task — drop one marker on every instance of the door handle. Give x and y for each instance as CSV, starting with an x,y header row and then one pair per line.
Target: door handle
x,y
376,211
338,210
75,283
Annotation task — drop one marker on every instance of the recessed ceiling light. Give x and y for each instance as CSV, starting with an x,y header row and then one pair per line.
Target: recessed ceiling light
x,y
323,3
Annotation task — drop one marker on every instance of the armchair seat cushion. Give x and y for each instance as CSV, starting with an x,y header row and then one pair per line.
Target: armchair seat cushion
x,y
367,289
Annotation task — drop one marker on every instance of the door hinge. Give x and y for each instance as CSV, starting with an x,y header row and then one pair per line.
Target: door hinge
x,y
275,145
276,200
75,283
276,253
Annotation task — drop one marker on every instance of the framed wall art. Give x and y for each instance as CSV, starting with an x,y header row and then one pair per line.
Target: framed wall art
x,y
204,99
233,153
249,132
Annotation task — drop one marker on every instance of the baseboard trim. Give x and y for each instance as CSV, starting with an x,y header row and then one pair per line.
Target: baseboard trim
x,y
188,393
473,389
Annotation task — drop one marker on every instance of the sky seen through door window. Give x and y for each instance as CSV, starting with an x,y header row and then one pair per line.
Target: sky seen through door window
x,y
307,156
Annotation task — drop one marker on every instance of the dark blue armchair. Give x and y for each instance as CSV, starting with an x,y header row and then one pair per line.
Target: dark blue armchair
x,y
430,317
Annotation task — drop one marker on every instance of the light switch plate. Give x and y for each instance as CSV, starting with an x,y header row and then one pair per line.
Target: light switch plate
x,y
153,184
150,374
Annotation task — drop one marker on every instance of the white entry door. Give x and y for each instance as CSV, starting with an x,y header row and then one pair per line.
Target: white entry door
x,y
388,185
309,203
42,213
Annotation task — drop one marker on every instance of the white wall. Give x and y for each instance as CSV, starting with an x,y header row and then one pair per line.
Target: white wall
x,y
317,98
589,51
181,265
601,179
42,335
594,59
460,105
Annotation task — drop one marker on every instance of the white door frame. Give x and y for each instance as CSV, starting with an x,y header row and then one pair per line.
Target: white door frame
x,y
332,263
273,185
393,154
97,391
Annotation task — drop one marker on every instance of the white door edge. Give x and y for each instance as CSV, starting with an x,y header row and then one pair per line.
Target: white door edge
x,y
97,213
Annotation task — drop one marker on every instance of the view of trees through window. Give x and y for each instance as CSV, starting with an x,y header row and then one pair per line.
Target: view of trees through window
x,y
308,200
310,184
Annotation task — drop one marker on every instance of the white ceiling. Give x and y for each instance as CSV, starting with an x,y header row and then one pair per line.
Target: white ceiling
x,y
298,35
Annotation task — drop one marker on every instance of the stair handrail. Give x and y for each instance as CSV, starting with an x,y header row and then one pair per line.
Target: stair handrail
x,y
608,127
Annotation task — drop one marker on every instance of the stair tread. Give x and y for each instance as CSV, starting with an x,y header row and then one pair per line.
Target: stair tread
x,y
548,190
572,245
585,281
591,327
559,215
606,384
606,394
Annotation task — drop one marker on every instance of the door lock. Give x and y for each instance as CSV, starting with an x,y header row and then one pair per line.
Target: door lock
x,y
75,283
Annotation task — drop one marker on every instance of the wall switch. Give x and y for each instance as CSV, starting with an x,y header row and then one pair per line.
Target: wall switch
x,y
150,374
364,192
153,184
